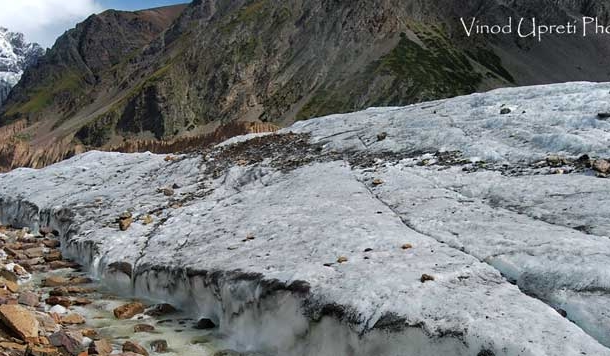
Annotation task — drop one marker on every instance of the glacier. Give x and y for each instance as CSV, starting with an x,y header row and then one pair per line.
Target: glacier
x,y
316,240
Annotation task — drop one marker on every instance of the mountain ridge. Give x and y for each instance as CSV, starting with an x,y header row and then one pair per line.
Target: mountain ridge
x,y
279,62
15,56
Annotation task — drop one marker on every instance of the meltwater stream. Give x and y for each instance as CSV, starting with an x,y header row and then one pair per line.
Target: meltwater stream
x,y
178,329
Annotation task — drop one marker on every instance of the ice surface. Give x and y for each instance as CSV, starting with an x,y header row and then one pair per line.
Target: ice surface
x,y
255,248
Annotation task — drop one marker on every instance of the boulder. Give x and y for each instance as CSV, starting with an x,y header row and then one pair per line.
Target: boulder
x,y
100,347
34,252
128,311
130,346
160,310
159,346
73,319
46,322
55,281
9,275
20,320
204,324
71,340
29,298
143,328
55,300
54,255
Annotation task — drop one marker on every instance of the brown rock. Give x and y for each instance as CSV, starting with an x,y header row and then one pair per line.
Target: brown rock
x,y
128,311
80,280
130,346
11,286
19,270
35,350
71,340
29,298
377,181
58,300
407,246
73,319
161,309
7,345
81,301
63,264
147,219
9,275
168,192
90,333
601,165
426,277
159,346
55,281
342,259
46,322
124,224
101,347
34,252
79,290
143,328
45,230
51,243
54,255
20,320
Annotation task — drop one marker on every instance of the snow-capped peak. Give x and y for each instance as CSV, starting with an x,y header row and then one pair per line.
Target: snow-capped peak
x,y
15,55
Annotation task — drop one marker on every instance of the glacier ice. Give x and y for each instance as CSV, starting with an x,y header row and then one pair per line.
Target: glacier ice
x,y
254,247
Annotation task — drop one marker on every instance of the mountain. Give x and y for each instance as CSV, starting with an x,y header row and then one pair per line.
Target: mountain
x,y
182,73
15,56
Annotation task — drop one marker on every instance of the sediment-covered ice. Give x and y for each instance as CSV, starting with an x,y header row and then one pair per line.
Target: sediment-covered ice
x,y
252,235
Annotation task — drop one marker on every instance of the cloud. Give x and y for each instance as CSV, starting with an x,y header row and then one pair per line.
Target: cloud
x,y
43,21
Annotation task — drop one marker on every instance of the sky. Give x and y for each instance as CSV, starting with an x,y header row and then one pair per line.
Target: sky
x,y
43,21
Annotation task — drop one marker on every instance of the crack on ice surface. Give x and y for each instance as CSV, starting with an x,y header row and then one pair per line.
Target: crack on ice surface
x,y
255,229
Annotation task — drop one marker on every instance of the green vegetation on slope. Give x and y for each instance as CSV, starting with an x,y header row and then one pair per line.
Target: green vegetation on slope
x,y
43,95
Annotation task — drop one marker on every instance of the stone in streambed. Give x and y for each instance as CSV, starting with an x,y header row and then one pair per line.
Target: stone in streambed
x,y
29,298
73,319
55,281
71,340
55,300
80,280
159,346
160,310
143,328
63,264
130,346
46,322
10,286
81,301
51,243
101,347
20,320
128,311
54,255
204,324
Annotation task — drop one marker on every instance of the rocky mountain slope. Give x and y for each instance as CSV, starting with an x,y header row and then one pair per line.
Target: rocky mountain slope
x,y
470,226
277,62
15,56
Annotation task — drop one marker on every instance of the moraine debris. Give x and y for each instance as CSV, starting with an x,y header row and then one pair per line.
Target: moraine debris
x,y
426,278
